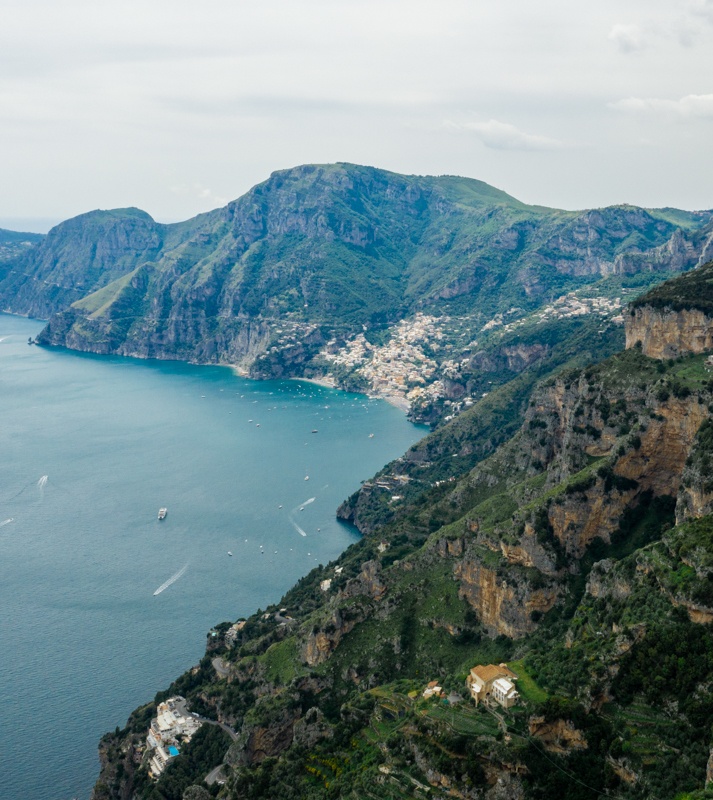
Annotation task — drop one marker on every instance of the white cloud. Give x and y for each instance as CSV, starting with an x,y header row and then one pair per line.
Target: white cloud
x,y
504,136
698,106
628,38
702,8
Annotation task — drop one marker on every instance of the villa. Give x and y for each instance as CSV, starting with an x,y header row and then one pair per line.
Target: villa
x,y
494,682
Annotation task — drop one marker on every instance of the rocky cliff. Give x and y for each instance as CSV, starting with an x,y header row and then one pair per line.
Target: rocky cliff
x,y
675,318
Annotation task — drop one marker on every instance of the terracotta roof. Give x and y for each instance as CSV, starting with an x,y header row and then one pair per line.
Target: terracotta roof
x,y
489,673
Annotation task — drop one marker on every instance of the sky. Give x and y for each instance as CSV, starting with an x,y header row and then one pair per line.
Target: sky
x,y
178,107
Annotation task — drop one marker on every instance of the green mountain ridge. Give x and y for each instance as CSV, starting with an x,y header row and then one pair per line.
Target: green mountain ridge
x,y
578,551
283,281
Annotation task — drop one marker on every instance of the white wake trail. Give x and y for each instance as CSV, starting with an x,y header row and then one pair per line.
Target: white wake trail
x,y
181,572
42,482
303,505
297,528
6,522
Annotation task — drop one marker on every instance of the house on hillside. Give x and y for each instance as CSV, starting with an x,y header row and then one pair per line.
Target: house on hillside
x,y
432,689
493,682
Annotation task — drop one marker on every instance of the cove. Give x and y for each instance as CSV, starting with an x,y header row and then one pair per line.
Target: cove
x,y
90,448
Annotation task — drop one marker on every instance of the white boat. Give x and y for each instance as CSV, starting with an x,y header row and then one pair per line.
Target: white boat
x,y
229,553
162,513
306,477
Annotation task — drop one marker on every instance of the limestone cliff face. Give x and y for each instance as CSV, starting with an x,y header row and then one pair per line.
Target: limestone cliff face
x,y
665,333
558,736
695,496
257,742
606,581
321,642
505,605
573,420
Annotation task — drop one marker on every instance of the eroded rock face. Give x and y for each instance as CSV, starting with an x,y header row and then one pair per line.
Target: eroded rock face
x,y
367,582
665,333
558,736
583,517
606,581
503,607
665,445
312,728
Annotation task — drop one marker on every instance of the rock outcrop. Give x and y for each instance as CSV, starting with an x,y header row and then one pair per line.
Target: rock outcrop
x,y
504,605
665,333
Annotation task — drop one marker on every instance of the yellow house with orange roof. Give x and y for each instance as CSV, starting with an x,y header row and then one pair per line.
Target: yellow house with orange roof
x,y
493,681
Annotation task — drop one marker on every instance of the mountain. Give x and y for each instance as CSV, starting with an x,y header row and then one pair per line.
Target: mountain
x,y
320,269
577,555
13,245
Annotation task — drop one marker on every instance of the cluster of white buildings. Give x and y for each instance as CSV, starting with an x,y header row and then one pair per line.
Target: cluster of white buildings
x,y
399,368
170,729
568,305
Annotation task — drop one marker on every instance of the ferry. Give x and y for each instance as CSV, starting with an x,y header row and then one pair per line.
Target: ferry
x,y
162,513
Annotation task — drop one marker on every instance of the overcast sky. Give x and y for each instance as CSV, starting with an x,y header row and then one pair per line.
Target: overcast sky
x,y
178,107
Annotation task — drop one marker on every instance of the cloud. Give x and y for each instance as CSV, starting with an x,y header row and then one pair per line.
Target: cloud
x,y
206,197
504,136
628,38
696,106
702,8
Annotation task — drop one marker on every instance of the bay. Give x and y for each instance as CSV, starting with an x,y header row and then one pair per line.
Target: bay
x,y
90,448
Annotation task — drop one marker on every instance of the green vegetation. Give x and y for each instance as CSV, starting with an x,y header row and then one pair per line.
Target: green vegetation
x,y
691,291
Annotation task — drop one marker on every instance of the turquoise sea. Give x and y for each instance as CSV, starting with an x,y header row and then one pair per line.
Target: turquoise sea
x,y
90,448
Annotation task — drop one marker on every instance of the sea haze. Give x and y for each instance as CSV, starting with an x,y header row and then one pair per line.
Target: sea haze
x,y
90,448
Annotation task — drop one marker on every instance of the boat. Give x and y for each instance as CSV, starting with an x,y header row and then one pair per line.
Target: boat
x,y
315,430
306,477
162,513
229,553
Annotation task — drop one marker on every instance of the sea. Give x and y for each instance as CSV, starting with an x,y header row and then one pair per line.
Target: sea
x,y
90,448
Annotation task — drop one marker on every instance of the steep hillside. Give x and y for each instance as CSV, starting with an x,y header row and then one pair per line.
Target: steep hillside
x,y
327,270
579,553
81,255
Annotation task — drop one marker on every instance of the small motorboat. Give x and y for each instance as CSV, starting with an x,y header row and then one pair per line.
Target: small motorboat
x,y
162,513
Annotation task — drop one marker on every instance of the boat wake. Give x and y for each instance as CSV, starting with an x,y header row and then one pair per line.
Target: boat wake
x,y
6,522
42,482
303,505
300,507
181,572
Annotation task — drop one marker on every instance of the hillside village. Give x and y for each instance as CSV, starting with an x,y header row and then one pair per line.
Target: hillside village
x,y
424,351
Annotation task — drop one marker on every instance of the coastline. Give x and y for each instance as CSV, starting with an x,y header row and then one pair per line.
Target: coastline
x,y
327,383
392,399
395,400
